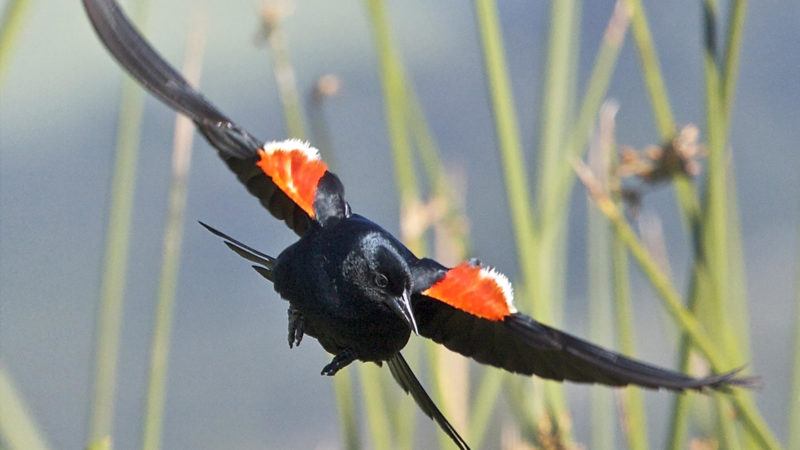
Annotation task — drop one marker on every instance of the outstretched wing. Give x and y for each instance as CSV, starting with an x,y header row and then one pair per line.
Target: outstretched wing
x,y
470,310
405,378
287,177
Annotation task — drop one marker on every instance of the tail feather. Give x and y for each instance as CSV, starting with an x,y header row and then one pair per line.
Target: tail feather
x,y
408,381
266,262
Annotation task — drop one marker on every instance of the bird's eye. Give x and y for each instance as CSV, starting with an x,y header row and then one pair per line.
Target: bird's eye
x,y
381,280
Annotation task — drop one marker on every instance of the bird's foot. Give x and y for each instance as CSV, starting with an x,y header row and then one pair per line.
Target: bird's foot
x,y
295,327
339,362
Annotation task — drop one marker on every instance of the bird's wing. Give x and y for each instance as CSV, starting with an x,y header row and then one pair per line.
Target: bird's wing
x,y
287,177
405,378
470,310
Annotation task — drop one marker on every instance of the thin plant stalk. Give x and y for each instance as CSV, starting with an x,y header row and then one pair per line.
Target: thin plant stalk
x,y
557,95
170,266
596,88
739,314
700,277
733,45
343,381
522,407
510,147
715,216
679,420
715,219
327,87
614,268
634,418
722,84
686,192
748,413
272,16
602,399
651,68
343,390
599,285
392,82
427,149
488,388
10,26
18,429
659,100
115,260
633,414
375,407
487,394
395,107
294,118
507,130
447,390
794,399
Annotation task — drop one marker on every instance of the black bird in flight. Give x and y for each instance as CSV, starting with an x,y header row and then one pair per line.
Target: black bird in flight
x,y
355,287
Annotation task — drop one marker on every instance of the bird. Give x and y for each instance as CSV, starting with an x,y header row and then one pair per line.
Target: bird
x,y
352,285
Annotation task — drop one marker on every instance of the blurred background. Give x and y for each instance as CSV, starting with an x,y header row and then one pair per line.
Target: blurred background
x,y
232,381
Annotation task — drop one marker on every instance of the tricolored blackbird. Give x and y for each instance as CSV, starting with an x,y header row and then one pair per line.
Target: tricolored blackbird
x,y
352,285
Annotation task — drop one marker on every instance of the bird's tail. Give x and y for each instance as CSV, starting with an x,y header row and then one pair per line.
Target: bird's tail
x,y
408,381
263,262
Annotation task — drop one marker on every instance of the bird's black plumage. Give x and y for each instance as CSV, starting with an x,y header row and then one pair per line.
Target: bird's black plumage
x,y
356,288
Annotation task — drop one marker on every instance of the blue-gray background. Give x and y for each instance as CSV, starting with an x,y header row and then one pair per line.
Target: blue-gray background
x,y
233,383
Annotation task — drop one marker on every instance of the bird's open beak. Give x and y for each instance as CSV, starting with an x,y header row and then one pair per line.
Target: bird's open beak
x,y
402,306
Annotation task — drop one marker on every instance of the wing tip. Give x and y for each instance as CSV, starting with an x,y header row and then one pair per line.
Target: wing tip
x,y
724,382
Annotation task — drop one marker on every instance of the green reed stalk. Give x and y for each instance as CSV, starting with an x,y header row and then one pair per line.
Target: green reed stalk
x,y
794,399
748,413
115,261
599,288
375,407
633,418
715,216
596,88
18,429
395,107
513,162
557,96
283,70
170,265
294,119
659,100
10,26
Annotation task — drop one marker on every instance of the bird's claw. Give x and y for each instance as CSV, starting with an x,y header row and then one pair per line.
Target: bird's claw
x,y
295,327
340,361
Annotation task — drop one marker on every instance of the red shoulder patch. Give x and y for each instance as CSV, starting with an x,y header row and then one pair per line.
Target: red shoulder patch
x,y
480,291
296,168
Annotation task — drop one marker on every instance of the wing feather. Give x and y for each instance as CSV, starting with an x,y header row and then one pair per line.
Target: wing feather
x,y
522,345
237,147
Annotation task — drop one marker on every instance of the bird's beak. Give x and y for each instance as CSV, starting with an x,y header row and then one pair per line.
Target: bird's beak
x,y
402,306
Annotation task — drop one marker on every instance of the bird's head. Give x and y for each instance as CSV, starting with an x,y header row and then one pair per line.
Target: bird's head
x,y
377,268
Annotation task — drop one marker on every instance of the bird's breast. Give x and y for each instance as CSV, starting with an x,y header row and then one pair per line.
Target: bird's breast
x,y
334,313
